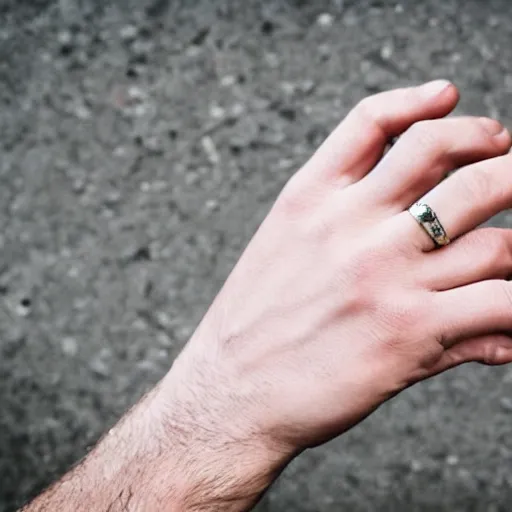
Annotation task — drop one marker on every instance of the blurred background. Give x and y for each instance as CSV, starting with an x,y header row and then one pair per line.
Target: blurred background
x,y
142,142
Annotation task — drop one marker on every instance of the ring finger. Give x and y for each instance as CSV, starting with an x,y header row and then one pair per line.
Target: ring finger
x,y
465,200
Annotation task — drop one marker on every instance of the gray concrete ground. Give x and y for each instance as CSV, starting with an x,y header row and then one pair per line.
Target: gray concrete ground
x,y
141,144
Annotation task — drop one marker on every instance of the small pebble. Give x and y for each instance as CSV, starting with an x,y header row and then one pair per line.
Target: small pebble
x,y
237,110
140,110
164,319
217,112
386,51
212,205
452,460
272,60
79,185
99,367
159,185
288,88
128,33
73,271
285,163
307,86
120,151
65,38
325,20
152,143
416,466
506,404
486,52
82,112
184,332
142,48
494,21
228,81
13,342
23,308
324,50
46,57
508,86
350,20
210,149
112,197
136,93
164,340
69,347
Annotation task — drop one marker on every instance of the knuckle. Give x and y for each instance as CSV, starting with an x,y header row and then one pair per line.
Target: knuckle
x,y
375,102
490,243
369,110
497,247
402,314
292,200
481,132
506,291
317,227
425,134
490,354
503,297
476,184
399,320
366,106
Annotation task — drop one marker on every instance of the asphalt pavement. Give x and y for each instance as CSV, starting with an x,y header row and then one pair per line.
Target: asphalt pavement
x,y
141,143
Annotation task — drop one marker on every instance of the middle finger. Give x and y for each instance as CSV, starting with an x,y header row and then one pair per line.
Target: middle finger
x,y
426,153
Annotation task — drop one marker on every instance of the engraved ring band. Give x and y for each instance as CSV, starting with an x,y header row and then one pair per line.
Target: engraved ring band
x,y
427,219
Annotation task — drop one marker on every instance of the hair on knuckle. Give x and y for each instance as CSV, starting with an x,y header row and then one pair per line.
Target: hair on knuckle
x,y
476,184
367,110
500,250
426,135
507,293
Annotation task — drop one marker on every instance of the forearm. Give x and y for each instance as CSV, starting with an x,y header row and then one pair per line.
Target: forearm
x,y
339,302
123,472
166,456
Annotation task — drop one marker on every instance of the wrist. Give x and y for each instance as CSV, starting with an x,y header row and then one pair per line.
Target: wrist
x,y
224,459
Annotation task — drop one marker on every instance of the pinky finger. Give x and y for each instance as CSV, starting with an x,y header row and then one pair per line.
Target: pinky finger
x,y
492,350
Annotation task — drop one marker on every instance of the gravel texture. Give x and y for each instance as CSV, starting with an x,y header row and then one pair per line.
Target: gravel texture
x,y
141,144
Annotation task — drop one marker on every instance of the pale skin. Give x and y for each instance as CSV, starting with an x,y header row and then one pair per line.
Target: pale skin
x,y
339,302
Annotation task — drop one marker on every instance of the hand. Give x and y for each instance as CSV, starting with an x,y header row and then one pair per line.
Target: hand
x,y
341,299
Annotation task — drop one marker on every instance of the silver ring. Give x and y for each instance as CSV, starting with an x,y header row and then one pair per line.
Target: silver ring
x,y
428,220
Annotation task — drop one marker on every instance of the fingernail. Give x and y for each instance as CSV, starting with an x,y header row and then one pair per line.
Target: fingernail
x,y
491,126
436,87
503,355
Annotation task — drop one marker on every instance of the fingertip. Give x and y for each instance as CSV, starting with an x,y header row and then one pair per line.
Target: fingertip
x,y
442,91
439,97
452,93
435,87
498,133
502,355
504,139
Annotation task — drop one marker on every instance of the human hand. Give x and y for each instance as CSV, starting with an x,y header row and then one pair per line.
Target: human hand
x,y
341,299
